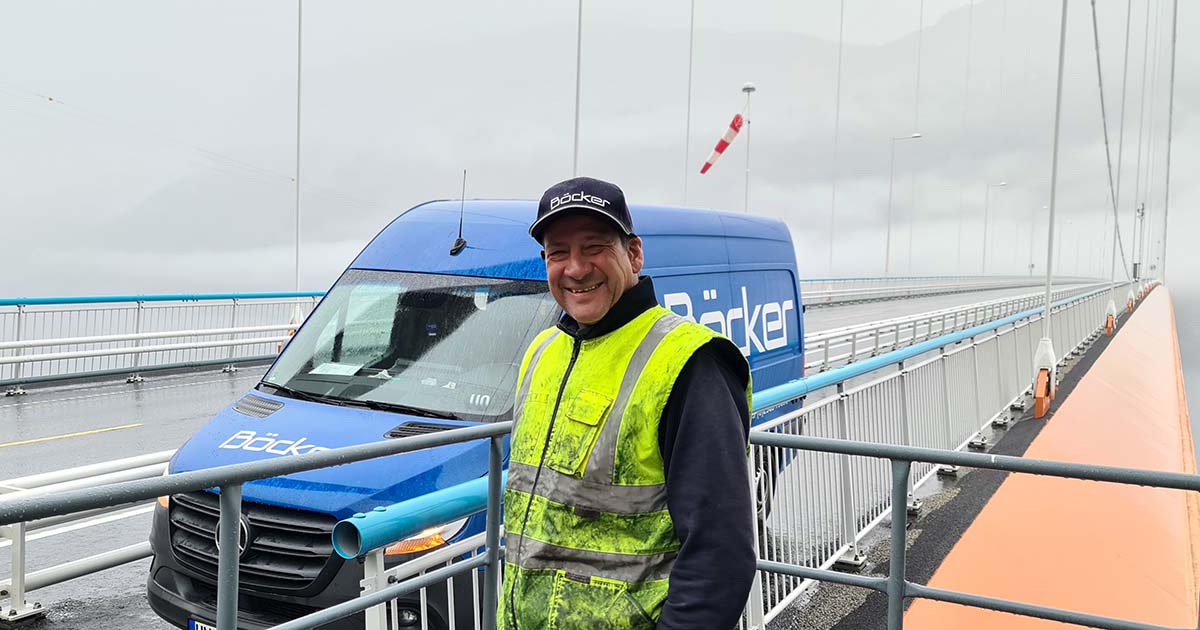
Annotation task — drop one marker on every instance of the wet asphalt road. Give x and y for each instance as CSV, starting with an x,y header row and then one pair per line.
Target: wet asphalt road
x,y
53,428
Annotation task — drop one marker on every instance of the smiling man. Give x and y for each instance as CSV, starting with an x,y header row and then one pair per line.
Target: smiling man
x,y
628,501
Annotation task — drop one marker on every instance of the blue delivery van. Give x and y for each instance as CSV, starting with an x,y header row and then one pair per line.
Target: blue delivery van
x,y
411,340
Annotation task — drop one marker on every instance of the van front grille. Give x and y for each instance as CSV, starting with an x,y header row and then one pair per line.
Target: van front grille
x,y
287,550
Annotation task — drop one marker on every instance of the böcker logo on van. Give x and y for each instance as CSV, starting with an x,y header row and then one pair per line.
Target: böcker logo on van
x,y
269,443
580,197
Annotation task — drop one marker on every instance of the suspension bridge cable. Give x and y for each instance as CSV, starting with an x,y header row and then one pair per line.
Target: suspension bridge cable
x,y
1137,178
1107,151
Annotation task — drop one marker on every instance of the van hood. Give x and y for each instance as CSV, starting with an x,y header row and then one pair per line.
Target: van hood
x,y
298,427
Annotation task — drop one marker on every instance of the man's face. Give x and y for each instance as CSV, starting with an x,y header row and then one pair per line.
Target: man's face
x,y
587,267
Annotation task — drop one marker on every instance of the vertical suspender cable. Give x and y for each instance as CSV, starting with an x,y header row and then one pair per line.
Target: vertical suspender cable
x,y
1107,153
1148,206
1137,180
912,180
1062,48
1120,158
962,129
578,84
837,115
1170,121
687,134
299,47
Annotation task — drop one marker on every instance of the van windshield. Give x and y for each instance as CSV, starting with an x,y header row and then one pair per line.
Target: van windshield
x,y
436,345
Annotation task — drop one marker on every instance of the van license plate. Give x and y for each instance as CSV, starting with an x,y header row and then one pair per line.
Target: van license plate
x,y
199,625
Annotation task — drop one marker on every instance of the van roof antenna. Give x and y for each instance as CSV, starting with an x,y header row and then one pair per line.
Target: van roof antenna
x,y
460,243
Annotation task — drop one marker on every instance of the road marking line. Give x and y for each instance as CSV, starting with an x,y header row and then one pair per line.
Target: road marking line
x,y
100,520
71,435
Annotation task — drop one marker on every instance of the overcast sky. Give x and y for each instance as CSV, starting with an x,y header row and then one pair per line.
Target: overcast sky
x,y
150,146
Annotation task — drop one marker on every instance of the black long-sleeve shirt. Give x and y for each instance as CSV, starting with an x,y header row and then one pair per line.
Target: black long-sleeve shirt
x,y
702,437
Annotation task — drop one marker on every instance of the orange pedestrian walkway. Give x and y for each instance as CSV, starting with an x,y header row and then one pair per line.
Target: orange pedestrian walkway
x,y
1106,549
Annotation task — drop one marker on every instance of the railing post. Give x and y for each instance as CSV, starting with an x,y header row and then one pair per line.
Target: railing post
x,y
18,609
854,558
912,504
901,473
374,581
980,442
493,572
18,367
136,377
229,556
1001,421
230,367
754,614
950,441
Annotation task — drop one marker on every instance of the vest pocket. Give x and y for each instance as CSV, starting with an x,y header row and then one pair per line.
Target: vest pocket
x,y
576,431
580,602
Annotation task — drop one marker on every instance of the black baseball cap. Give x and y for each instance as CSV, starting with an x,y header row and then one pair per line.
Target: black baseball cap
x,y
582,195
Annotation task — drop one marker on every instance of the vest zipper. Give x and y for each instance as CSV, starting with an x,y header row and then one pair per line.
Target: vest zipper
x,y
578,343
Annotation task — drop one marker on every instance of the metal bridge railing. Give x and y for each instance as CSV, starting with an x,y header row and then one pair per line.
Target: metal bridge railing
x,y
818,494
44,339
838,346
830,291
900,464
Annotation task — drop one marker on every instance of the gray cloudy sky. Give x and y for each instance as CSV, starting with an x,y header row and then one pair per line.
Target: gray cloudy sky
x,y
164,160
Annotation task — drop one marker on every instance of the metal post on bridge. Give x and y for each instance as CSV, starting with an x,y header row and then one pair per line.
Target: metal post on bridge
x,y
16,389
854,558
136,377
229,541
230,367
18,610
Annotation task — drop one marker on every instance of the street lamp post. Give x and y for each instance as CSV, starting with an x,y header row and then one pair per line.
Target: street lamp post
x,y
986,201
887,256
1032,224
749,89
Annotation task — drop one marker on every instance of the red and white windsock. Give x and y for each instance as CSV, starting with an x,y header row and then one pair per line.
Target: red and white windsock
x,y
735,126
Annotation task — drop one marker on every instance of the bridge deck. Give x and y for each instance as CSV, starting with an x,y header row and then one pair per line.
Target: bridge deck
x,y
1107,549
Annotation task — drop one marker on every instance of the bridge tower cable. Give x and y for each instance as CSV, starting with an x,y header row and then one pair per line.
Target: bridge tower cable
x,y
1170,122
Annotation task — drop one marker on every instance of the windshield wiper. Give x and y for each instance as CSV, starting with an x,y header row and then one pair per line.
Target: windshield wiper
x,y
369,404
295,393
402,408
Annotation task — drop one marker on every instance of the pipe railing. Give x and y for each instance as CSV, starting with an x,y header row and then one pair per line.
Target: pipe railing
x,y
1076,319
122,334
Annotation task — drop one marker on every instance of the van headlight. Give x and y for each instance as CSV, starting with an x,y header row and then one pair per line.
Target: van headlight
x,y
431,538
165,501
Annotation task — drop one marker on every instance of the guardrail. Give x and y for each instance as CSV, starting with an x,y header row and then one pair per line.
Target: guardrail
x,y
838,346
831,291
16,536
813,509
43,339
48,339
